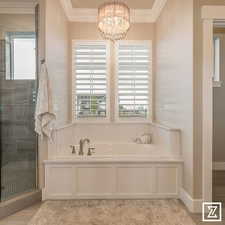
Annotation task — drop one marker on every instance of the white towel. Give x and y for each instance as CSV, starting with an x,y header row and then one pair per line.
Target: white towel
x,y
44,115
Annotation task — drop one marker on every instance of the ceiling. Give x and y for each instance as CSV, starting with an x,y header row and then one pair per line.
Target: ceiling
x,y
133,4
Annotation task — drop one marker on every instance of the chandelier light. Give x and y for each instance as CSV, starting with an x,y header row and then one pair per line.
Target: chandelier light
x,y
114,20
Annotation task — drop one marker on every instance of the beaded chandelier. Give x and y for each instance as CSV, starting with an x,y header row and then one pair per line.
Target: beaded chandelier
x,y
114,20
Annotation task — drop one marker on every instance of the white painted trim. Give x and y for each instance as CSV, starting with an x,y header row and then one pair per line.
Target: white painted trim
x,y
157,9
113,160
161,126
55,191
148,43
90,15
67,6
164,127
108,55
207,112
43,194
108,196
17,7
193,205
209,14
217,83
219,166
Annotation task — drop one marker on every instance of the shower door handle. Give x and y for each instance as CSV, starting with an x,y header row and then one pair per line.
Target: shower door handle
x,y
34,93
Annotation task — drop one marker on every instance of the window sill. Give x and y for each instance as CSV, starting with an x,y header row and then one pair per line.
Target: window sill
x,y
104,121
109,122
132,122
217,83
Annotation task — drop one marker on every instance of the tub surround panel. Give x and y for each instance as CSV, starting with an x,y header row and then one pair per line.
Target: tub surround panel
x,y
61,180
113,138
91,180
136,180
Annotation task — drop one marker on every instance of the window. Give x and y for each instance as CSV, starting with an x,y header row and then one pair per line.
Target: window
x,y
133,80
216,75
90,69
21,55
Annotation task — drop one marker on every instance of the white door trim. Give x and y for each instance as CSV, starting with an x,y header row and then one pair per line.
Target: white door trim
x,y
207,115
209,14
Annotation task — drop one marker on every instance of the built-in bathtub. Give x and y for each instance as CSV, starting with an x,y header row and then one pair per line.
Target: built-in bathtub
x,y
119,170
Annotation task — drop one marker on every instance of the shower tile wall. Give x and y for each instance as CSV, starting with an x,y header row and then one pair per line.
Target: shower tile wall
x,y
18,140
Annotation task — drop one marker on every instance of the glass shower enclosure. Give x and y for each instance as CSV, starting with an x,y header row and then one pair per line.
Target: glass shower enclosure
x,y
18,84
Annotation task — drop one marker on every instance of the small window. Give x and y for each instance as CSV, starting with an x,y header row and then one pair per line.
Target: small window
x,y
21,56
90,69
216,75
133,80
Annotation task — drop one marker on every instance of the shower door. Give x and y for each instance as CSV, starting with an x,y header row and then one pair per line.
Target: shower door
x,y
18,141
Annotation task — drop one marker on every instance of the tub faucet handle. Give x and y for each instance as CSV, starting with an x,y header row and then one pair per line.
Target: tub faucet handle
x,y
73,149
82,143
90,151
137,140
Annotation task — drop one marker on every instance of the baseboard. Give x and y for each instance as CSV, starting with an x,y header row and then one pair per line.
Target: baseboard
x,y
218,166
43,195
16,204
193,205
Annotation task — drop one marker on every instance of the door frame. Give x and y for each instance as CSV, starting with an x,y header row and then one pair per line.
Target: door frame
x,y
208,14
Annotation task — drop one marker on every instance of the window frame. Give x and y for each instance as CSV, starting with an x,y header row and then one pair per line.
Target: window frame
x,y
105,119
217,60
149,118
10,37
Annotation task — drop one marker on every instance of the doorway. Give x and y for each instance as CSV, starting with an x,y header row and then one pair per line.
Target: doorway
x,y
219,111
210,15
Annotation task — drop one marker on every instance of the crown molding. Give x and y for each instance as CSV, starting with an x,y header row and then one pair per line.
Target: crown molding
x,y
90,15
17,7
157,9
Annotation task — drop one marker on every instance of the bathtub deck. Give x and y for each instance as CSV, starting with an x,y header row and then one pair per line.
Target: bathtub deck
x,y
114,159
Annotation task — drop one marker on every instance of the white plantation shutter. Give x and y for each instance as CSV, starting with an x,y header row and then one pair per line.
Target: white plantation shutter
x,y
133,68
90,71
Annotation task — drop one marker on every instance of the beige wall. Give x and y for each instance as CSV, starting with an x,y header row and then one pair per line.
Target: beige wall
x,y
53,42
14,22
56,53
219,108
174,78
89,31
198,92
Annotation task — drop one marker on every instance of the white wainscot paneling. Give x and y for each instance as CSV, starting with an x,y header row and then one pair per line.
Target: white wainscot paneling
x,y
94,180
135,180
101,180
60,181
167,180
